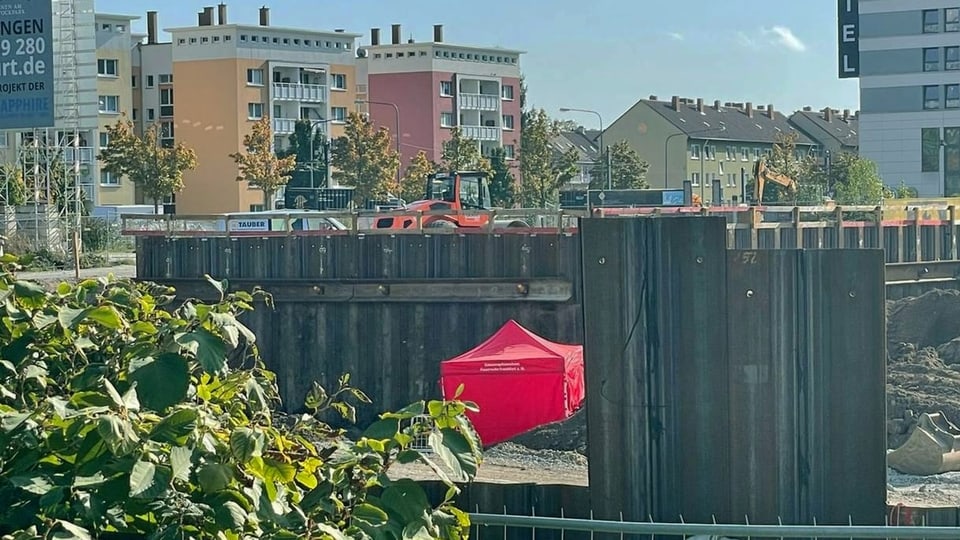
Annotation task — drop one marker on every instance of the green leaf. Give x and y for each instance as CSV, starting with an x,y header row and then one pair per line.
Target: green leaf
x,y
28,289
456,452
71,317
316,397
162,382
175,428
214,477
113,394
278,471
459,391
370,514
118,434
106,316
246,444
88,481
406,499
64,288
130,401
220,286
180,462
230,516
146,482
208,348
67,530
383,429
143,327
36,484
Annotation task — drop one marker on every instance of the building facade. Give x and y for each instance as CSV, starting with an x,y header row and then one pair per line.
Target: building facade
x,y
114,98
906,54
714,146
228,76
428,88
833,132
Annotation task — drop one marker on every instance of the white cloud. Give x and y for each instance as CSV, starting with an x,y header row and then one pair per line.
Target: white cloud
x,y
745,41
785,37
675,35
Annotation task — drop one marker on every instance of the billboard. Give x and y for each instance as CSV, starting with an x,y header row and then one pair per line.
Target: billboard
x,y
848,38
26,64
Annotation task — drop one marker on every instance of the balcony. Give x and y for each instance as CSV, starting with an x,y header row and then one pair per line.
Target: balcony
x,y
284,126
310,93
83,154
482,133
478,102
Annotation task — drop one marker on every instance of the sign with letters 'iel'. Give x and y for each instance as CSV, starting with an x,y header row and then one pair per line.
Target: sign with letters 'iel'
x,y
848,21
26,64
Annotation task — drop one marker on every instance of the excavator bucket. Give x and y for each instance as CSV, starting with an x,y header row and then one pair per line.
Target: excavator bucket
x,y
933,448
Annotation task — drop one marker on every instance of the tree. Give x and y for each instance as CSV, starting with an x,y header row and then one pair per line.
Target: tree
x,y
503,186
259,166
130,413
542,171
364,159
462,153
158,171
902,191
627,169
413,185
856,181
305,143
13,189
811,179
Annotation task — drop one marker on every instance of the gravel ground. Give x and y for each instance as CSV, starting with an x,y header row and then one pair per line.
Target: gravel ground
x,y
57,276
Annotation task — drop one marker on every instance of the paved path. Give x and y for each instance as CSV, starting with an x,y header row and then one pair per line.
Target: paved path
x,y
121,271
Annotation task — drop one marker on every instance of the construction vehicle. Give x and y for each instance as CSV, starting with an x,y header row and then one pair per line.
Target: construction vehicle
x,y
763,174
448,196
933,448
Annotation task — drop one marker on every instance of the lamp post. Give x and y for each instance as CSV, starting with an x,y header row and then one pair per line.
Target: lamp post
x,y
396,111
600,118
313,155
666,150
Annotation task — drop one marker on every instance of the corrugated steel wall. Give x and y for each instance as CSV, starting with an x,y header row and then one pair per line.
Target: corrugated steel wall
x,y
730,384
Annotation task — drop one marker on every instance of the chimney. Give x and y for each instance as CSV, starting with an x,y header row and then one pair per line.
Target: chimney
x,y
749,110
675,103
700,105
338,30
828,114
264,16
652,97
807,109
222,13
151,27
208,16
770,111
200,19
846,114
716,105
395,38
438,33
374,36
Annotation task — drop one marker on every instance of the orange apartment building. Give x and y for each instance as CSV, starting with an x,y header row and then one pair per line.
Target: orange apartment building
x,y
224,77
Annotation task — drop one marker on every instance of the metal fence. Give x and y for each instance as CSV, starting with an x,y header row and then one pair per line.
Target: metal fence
x,y
533,527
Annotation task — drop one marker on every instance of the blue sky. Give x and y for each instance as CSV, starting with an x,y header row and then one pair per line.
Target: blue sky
x,y
598,54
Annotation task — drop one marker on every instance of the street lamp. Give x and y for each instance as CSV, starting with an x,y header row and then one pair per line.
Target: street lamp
x,y
313,153
600,118
396,111
666,150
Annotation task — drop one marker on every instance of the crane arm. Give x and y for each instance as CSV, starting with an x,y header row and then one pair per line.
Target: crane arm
x,y
763,174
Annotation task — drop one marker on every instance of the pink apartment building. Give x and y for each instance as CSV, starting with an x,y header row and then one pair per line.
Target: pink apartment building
x,y
436,86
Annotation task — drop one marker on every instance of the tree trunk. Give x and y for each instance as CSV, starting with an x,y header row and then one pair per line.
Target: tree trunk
x,y
267,199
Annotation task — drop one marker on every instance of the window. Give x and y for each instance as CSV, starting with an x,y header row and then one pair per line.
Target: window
x,y
338,81
931,21
447,120
166,96
507,121
166,78
254,111
931,97
166,130
744,154
508,151
930,150
951,20
109,104
104,139
506,92
446,88
256,208
695,179
756,153
951,58
951,161
931,59
255,77
133,81
151,114
694,151
339,114
953,96
3,140
135,113
108,179
731,152
149,81
107,67
710,152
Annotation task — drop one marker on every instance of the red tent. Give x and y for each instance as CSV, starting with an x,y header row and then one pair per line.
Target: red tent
x,y
518,379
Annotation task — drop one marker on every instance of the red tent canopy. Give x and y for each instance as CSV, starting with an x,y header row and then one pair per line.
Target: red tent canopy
x,y
519,380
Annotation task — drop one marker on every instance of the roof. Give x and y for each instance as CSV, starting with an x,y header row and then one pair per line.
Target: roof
x,y
728,123
115,16
843,131
259,28
446,45
576,140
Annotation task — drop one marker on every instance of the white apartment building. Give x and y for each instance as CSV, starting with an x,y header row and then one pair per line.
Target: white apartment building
x,y
906,54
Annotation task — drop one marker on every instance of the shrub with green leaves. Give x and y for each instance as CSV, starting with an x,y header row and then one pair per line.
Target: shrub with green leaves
x,y
128,413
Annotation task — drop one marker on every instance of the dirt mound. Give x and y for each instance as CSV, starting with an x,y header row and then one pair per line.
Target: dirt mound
x,y
568,435
923,360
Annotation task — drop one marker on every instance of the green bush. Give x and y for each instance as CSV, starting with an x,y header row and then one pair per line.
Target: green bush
x,y
128,413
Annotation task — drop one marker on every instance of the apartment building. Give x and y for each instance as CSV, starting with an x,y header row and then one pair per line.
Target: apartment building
x,y
833,132
584,143
151,79
228,76
906,54
712,146
430,87
114,98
